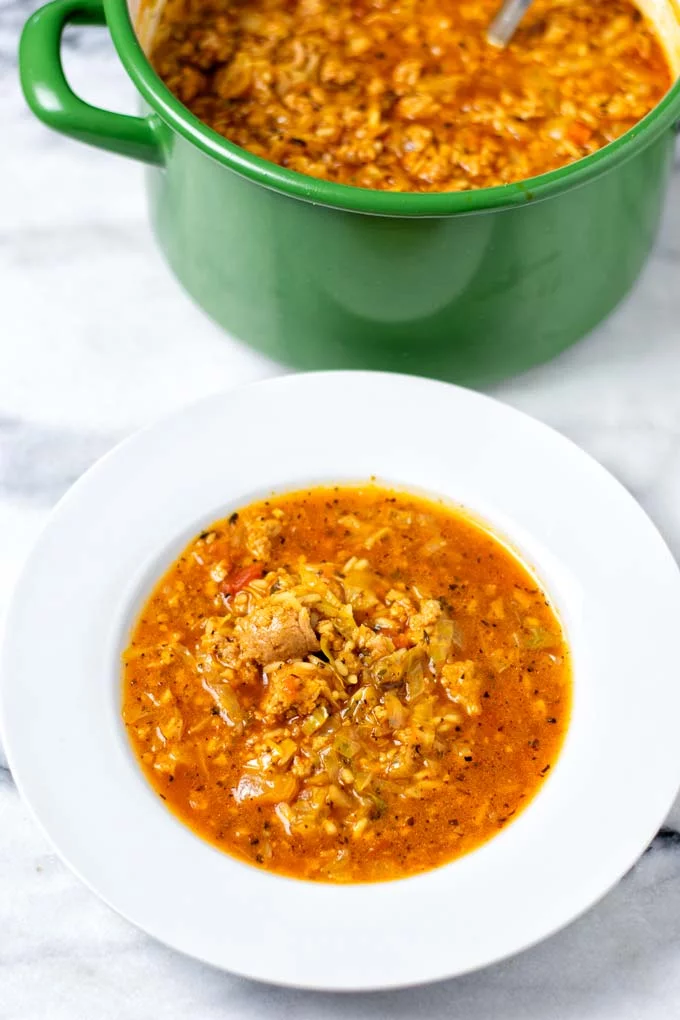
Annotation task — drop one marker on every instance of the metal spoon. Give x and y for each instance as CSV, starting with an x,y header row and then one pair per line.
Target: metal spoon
x,y
502,28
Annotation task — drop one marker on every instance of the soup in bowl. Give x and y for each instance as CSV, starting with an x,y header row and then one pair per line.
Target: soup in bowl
x,y
347,684
264,713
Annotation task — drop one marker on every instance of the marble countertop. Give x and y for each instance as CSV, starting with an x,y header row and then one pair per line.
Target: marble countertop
x,y
96,340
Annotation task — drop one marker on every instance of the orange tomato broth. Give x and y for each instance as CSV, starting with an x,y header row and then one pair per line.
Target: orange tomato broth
x,y
418,697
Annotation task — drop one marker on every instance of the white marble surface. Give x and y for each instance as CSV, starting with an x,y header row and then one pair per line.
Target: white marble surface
x,y
95,340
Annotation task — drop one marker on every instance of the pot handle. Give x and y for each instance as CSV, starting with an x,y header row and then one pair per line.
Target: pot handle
x,y
52,100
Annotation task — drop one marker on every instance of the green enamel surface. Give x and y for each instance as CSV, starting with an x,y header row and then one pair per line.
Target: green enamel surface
x,y
470,298
470,286
50,96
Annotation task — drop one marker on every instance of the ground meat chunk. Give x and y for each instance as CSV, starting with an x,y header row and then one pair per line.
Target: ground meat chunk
x,y
463,685
276,631
430,611
259,535
294,685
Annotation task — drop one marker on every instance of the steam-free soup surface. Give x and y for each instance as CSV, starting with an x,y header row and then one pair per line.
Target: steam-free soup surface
x,y
408,95
347,684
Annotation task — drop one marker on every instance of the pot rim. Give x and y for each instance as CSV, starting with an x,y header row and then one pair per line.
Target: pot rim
x,y
364,200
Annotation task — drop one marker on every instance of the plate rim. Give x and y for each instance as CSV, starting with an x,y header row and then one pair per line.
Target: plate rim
x,y
184,414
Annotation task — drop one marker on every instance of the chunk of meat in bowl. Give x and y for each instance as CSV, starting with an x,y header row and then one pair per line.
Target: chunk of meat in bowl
x,y
276,631
294,685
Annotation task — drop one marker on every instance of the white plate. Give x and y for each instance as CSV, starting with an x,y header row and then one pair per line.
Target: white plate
x,y
612,577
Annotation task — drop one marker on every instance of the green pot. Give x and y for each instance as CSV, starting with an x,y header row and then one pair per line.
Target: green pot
x,y
469,286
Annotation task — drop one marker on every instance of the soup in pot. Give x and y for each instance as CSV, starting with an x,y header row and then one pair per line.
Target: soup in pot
x,y
408,95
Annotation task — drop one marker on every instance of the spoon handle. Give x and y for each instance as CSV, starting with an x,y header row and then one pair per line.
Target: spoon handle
x,y
502,28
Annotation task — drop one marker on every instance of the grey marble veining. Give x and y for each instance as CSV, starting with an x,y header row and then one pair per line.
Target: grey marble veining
x,y
39,464
96,339
13,14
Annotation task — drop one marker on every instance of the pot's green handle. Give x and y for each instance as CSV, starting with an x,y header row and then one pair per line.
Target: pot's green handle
x,y
50,97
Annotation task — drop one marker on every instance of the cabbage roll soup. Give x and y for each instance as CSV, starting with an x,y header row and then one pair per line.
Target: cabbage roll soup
x,y
408,95
347,685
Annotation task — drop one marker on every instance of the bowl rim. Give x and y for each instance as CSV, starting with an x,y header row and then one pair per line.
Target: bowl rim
x,y
87,813
364,200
